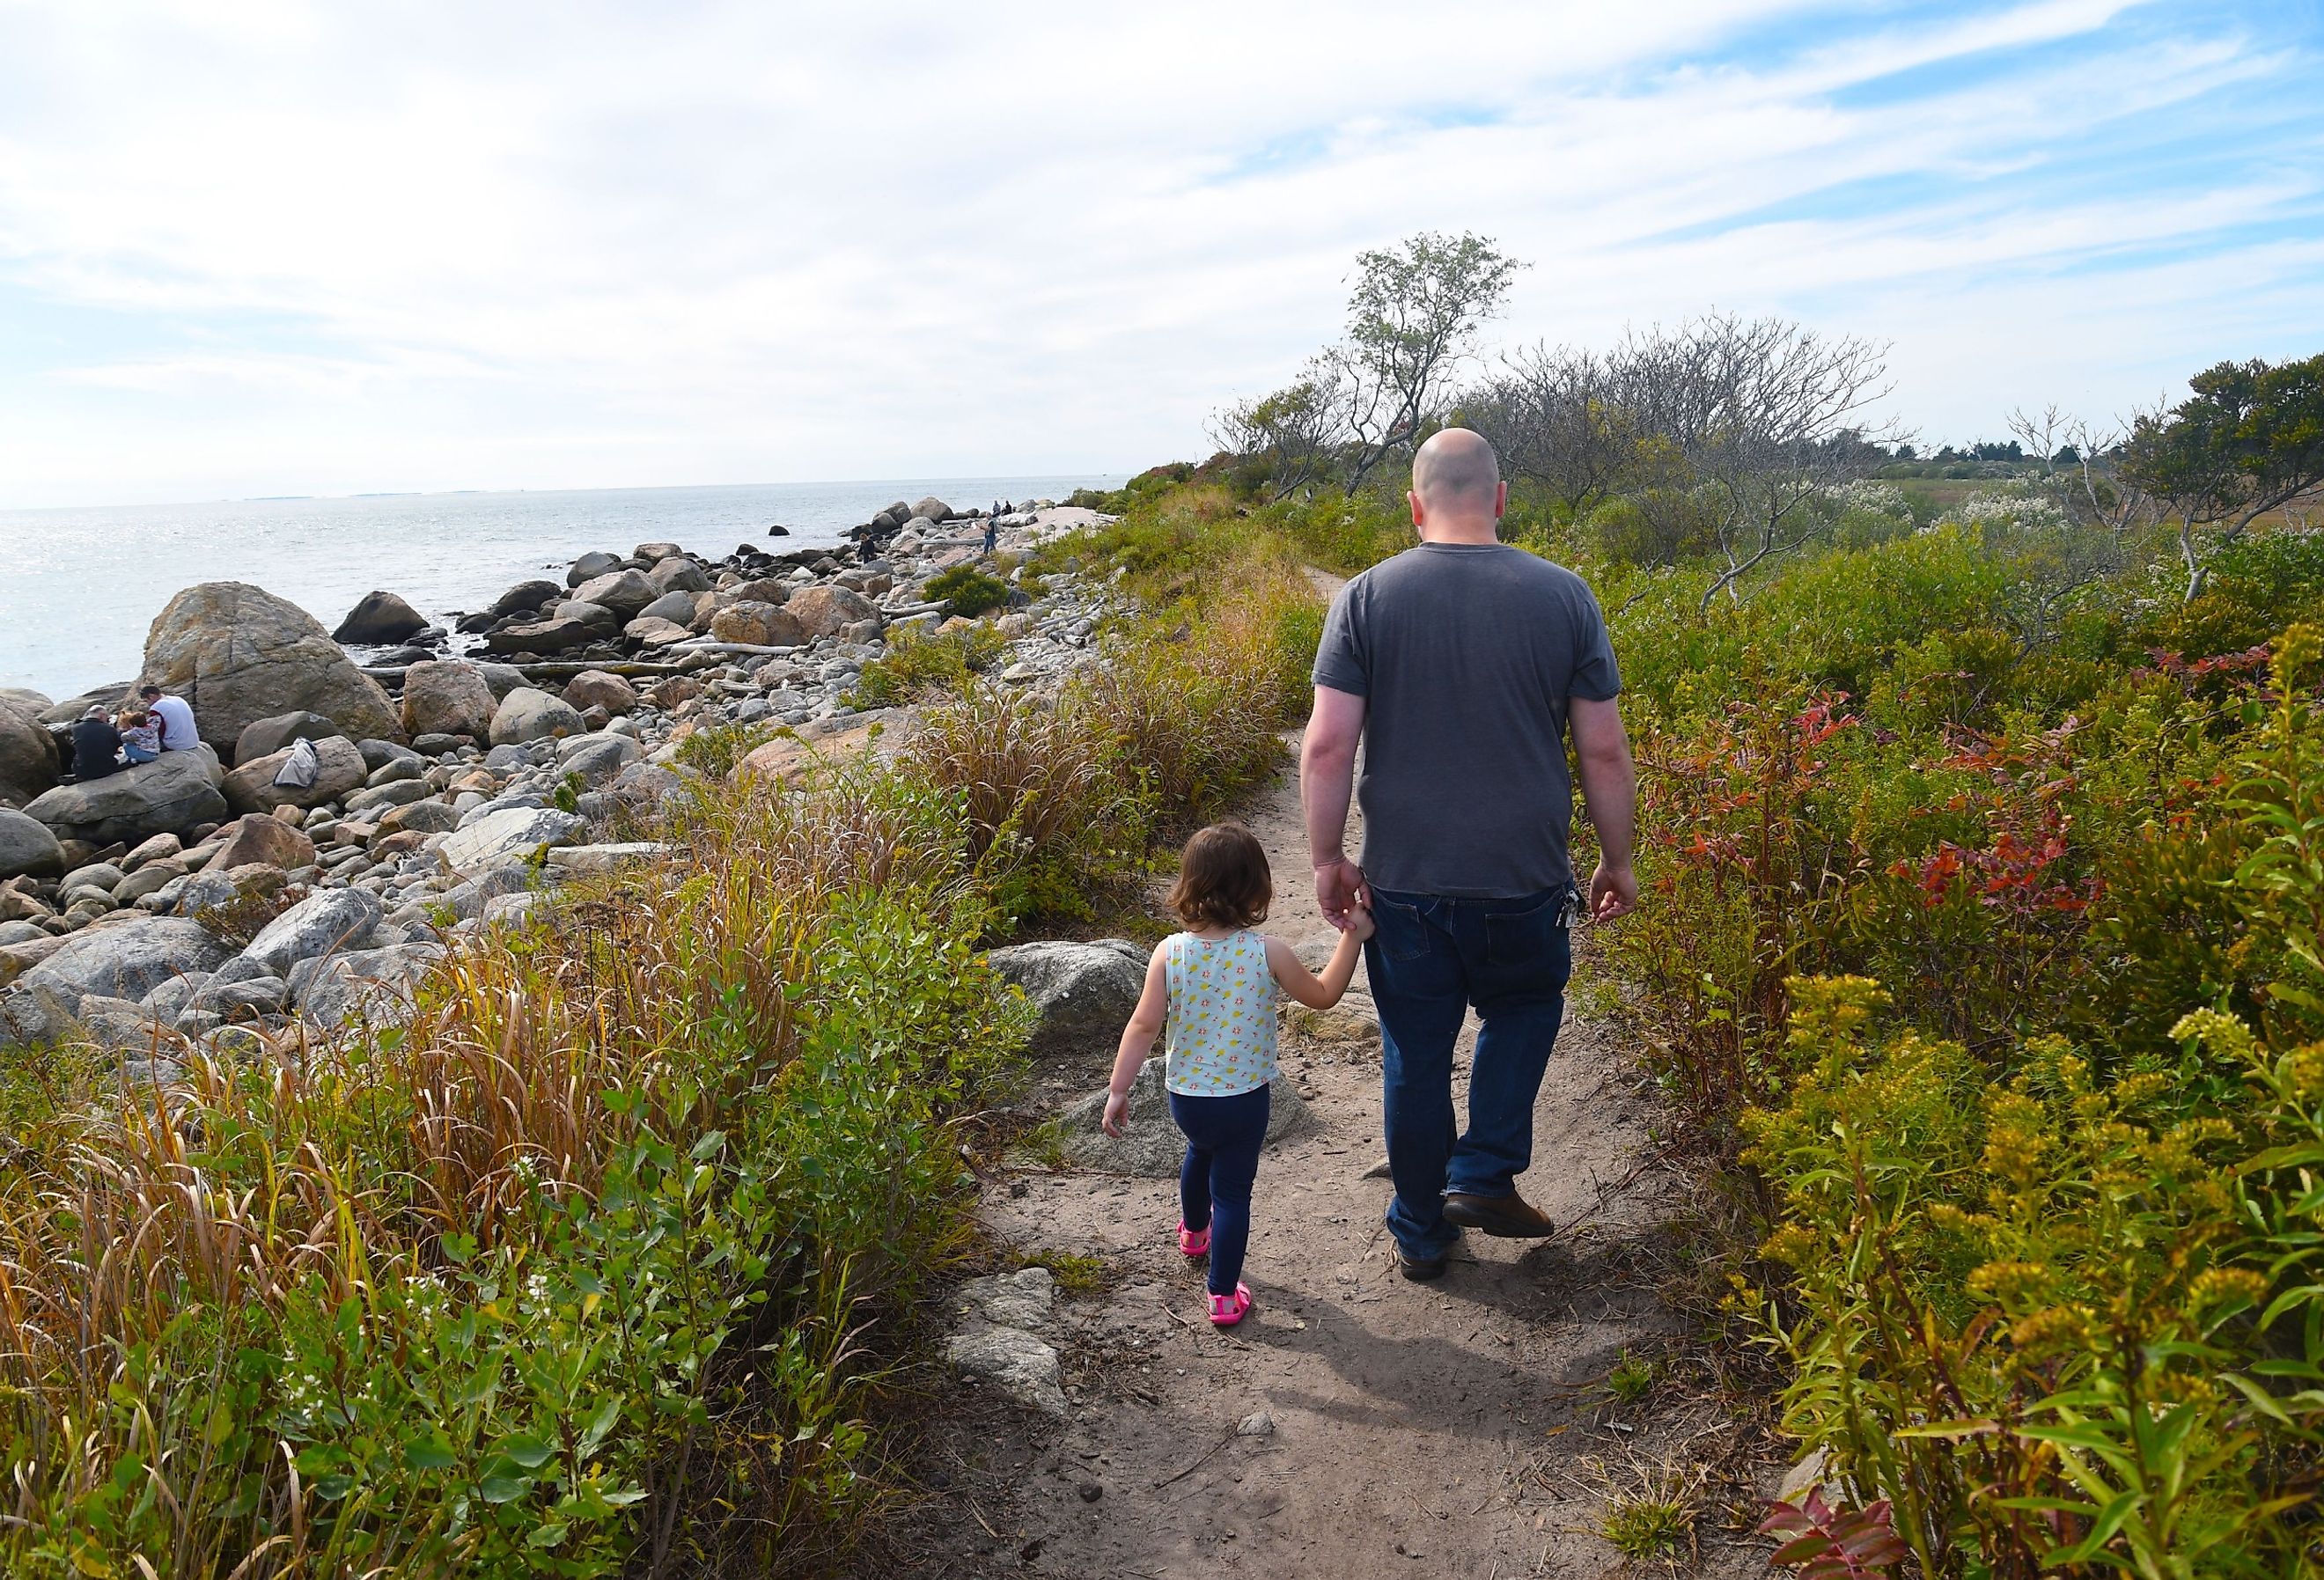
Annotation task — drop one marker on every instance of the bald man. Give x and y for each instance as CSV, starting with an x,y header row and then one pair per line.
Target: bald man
x,y
1461,666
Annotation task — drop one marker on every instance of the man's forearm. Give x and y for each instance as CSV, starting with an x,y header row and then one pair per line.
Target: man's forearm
x,y
1327,785
1610,790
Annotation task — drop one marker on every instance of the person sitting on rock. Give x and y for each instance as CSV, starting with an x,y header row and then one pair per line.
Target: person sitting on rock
x,y
177,718
141,736
97,746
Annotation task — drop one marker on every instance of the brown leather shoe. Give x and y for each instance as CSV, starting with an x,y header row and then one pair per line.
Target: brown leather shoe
x,y
1510,1217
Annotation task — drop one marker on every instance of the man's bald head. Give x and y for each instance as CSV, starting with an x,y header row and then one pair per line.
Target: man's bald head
x,y
1455,471
1455,480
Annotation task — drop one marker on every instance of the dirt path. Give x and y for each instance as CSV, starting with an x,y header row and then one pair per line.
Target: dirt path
x,y
1461,1428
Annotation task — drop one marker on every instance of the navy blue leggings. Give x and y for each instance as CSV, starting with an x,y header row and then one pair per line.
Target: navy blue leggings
x,y
1223,1135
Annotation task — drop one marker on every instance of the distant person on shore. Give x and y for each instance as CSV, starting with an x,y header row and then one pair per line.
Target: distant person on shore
x,y
97,746
141,736
1461,665
992,529
1214,984
176,717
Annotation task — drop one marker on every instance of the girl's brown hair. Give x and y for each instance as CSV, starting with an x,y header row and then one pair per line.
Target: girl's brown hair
x,y
1222,879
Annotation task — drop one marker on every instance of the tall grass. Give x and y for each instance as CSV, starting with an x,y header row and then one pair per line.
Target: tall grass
x,y
593,1260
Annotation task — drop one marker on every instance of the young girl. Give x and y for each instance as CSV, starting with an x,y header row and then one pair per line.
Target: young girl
x,y
141,736
1216,982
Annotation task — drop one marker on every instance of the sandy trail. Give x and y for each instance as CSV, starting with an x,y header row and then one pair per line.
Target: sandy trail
x,y
1464,1428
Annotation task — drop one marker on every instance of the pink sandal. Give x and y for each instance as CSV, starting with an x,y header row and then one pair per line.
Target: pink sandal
x,y
1194,1243
1226,1311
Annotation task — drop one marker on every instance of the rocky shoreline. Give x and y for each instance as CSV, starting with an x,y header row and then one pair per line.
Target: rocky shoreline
x,y
455,776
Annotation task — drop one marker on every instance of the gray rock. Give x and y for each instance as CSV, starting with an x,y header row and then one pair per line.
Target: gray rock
x,y
102,877
591,566
338,769
214,891
29,761
27,846
378,619
624,592
529,715
677,608
503,758
239,654
598,757
507,835
1024,1299
428,817
678,574
525,597
166,1002
332,920
21,932
267,735
404,765
177,791
241,1000
1152,1147
378,753
1080,992
126,959
1021,1364
398,793
150,879
499,679
933,509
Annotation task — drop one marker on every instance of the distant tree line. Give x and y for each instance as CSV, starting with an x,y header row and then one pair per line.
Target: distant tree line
x,y
1734,442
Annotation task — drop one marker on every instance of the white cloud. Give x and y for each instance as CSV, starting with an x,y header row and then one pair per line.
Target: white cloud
x,y
297,248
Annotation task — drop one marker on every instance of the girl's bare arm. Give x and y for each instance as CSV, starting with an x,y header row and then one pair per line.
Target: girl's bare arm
x,y
1138,1040
1321,993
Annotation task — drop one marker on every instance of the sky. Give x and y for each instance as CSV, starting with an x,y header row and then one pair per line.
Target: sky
x,y
274,247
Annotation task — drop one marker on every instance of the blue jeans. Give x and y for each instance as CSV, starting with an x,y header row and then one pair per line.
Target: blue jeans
x,y
1429,960
1223,1135
136,755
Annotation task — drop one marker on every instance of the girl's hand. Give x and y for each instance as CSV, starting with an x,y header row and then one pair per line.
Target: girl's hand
x,y
1116,1113
1359,923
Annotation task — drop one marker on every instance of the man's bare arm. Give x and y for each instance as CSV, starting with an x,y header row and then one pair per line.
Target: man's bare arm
x,y
1610,790
1327,786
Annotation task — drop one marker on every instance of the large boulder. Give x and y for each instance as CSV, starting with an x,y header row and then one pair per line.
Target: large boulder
x,y
935,509
28,754
758,626
375,985
338,769
598,688
600,617
259,837
1080,993
239,654
591,566
512,835
677,608
324,923
168,796
448,697
128,959
115,695
763,589
530,714
625,592
271,735
823,610
28,846
679,575
379,619
525,598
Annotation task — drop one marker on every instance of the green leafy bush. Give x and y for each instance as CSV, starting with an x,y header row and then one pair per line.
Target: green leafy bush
x,y
967,592
919,661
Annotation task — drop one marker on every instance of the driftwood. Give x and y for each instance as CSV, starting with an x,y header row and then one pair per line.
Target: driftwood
x,y
566,669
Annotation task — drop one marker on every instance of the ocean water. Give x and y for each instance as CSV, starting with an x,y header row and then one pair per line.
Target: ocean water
x,y
79,588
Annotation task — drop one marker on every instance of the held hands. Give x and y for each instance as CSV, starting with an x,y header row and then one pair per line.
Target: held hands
x,y
1613,892
1360,921
1340,891
1116,1113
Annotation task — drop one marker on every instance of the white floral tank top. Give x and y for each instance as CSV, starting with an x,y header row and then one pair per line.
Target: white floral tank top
x,y
1222,1014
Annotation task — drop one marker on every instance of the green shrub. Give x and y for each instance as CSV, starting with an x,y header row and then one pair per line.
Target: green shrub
x,y
967,591
919,661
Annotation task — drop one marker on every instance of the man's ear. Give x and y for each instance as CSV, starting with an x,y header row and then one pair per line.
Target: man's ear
x,y
1501,500
1415,500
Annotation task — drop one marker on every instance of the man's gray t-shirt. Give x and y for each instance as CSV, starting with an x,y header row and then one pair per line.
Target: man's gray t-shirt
x,y
1465,654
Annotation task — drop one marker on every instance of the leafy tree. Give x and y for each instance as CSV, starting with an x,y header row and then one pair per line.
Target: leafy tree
x,y
1299,431
2249,440
1412,321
